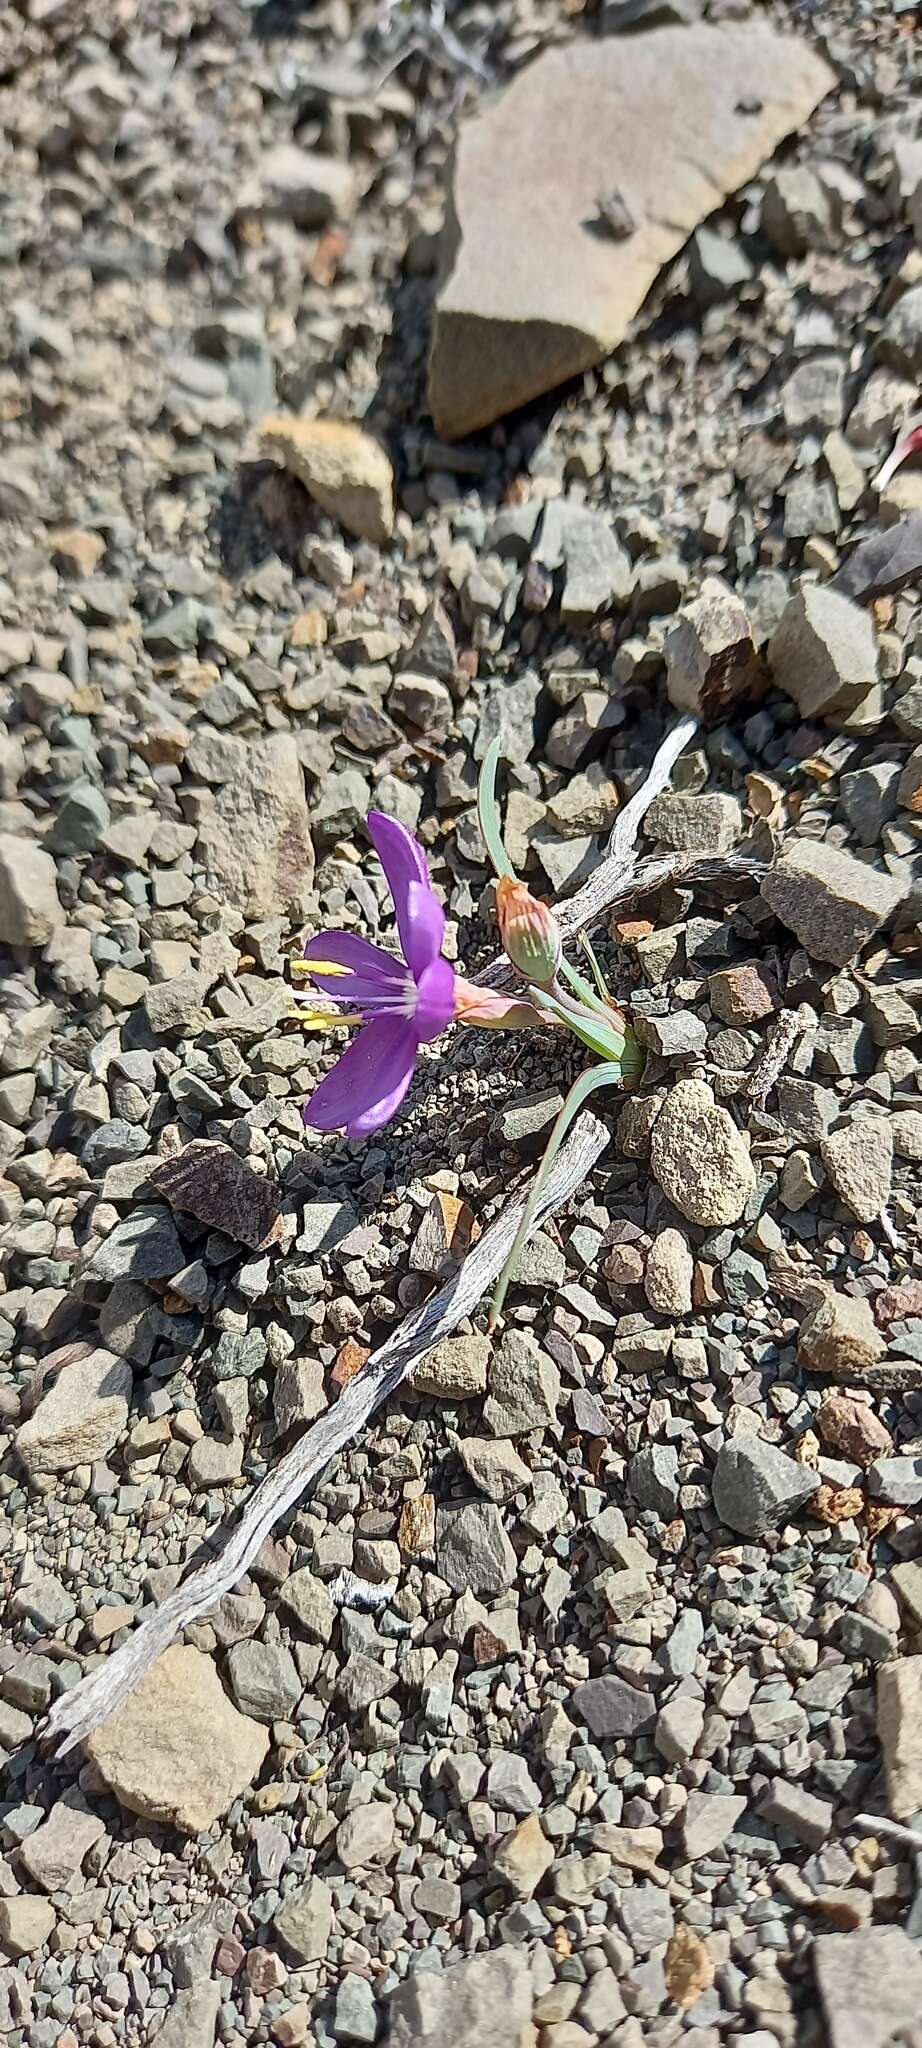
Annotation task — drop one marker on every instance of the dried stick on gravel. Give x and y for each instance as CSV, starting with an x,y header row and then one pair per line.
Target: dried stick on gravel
x,y
95,1697
762,1080
620,877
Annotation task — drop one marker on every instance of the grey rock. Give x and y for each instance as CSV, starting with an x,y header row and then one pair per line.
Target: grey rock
x,y
795,211
654,1480
868,798
29,908
757,1487
366,1836
883,563
510,1785
897,1481
823,652
144,1246
806,1110
82,819
264,1680
355,2016
870,1985
831,901
494,1466
901,337
709,1818
799,1813
717,266
473,1549
612,1707
858,1158
695,824
484,2002
254,839
193,2017
679,1653
54,1854
524,1387
304,1921
646,1916
710,653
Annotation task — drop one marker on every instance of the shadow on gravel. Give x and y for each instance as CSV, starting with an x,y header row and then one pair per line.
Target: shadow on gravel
x,y
263,511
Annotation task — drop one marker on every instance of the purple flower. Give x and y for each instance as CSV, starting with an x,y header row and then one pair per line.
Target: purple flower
x,y
402,1003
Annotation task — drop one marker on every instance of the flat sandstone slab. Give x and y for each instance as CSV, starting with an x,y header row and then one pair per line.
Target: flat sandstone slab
x,y
536,288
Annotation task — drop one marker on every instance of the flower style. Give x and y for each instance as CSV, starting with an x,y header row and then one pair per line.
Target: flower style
x,y
401,1004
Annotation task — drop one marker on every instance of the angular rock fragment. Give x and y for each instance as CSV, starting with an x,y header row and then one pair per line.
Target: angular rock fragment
x,y
757,1487
534,292
254,838
859,1161
484,2002
710,654
29,907
342,467
883,563
176,1750
81,1417
870,1985
211,1182
831,901
839,1333
823,653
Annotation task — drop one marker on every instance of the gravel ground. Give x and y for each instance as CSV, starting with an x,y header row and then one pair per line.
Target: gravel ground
x,y
555,1714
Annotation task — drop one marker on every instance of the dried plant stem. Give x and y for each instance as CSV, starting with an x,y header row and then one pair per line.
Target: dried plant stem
x,y
73,1717
762,1080
889,1830
622,844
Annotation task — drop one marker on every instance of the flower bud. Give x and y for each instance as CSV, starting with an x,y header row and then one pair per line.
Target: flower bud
x,y
529,931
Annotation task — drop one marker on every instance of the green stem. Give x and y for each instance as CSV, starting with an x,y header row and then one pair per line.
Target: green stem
x,y
605,1076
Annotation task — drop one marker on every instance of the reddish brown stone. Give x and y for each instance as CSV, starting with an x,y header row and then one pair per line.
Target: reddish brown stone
x,y
212,1183
853,1428
350,1359
895,1304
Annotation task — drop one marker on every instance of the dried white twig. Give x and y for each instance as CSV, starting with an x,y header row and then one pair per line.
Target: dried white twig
x,y
620,877
762,1080
890,1830
96,1695
890,1230
622,843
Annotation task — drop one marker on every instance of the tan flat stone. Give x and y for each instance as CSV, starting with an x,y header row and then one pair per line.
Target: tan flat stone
x,y
345,470
536,288
177,1750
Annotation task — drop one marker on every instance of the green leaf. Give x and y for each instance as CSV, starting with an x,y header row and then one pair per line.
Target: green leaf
x,y
601,1034
597,975
605,1076
583,989
488,810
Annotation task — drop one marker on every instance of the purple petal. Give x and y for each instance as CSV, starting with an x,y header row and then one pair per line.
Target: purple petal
x,y
368,1084
425,929
404,864
435,1001
373,977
